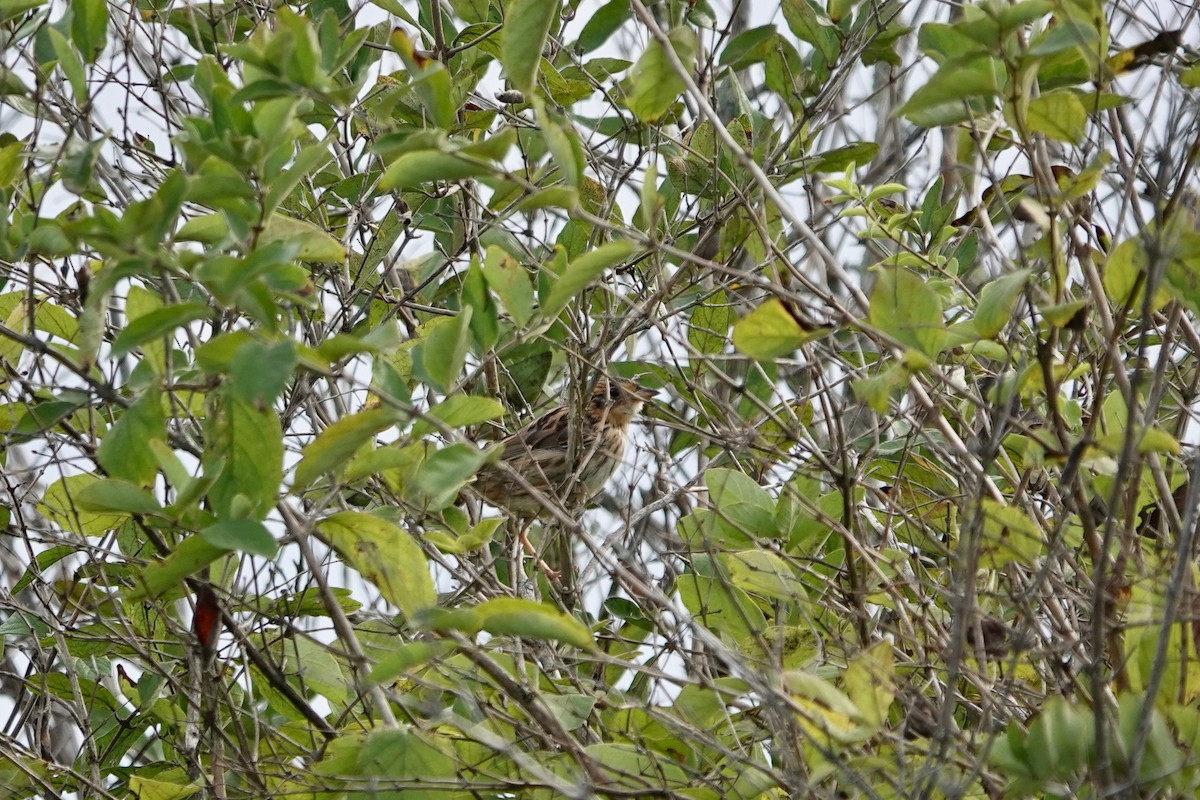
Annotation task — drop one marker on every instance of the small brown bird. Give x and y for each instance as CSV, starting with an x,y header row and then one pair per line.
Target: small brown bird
x,y
541,453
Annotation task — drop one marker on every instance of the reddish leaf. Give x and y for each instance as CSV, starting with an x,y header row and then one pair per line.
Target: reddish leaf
x,y
206,621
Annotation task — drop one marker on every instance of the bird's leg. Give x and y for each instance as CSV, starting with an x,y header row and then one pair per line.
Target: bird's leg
x,y
562,554
523,536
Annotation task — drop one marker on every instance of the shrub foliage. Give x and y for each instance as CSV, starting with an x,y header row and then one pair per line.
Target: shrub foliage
x,y
913,515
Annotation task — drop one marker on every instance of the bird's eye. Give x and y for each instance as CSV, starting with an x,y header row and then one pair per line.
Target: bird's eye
x,y
614,391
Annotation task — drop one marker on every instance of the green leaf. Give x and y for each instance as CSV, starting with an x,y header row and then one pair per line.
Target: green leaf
x,y
906,308
446,471
941,99
11,161
1060,739
429,78
1123,272
79,166
748,47
841,158
206,229
526,26
518,617
242,535
741,502
763,574
125,452
14,312
411,170
491,148
47,238
309,161
1066,35
471,11
310,242
443,349
1060,314
306,603
769,332
1059,115
831,716
189,557
43,416
394,755
510,281
460,410
1096,102
382,339
526,367
718,605
478,536
571,710
138,303
43,561
1156,440
89,24
11,9
176,474
260,371
1009,535
882,46
333,448
216,355
156,324
385,555
870,683
512,616
563,143
485,317
813,26
656,83
1181,279
273,119
60,504
784,70
11,84
24,625
405,657
583,270
109,494
249,442
564,197
996,303
602,24
650,210
705,528
147,788
70,64
801,684
876,390
708,328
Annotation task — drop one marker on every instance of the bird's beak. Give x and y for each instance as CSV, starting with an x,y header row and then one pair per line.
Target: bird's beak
x,y
644,393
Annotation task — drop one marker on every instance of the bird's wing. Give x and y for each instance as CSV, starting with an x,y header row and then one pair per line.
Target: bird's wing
x,y
548,432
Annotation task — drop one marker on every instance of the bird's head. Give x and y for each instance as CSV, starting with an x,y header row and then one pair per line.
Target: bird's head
x,y
619,399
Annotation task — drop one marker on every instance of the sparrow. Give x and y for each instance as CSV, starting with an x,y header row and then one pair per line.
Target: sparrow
x,y
559,470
